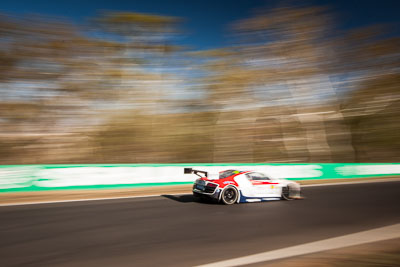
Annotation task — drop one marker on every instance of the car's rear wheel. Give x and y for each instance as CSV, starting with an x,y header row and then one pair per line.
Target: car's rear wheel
x,y
230,195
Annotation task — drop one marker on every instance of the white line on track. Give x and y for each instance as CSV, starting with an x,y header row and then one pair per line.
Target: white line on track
x,y
374,235
143,196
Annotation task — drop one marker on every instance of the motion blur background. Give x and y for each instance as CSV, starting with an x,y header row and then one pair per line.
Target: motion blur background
x,y
231,81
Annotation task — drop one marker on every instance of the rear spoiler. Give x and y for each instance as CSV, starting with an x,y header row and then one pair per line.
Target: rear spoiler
x,y
190,170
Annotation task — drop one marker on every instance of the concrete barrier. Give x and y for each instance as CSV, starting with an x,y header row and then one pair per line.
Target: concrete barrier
x,y
15,178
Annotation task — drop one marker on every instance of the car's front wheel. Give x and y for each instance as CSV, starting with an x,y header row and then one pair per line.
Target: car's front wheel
x,y
230,195
288,192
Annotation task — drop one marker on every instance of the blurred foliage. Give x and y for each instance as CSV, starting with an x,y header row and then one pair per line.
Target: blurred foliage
x,y
292,87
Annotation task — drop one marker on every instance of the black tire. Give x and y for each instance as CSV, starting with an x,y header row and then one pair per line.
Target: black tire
x,y
286,191
230,195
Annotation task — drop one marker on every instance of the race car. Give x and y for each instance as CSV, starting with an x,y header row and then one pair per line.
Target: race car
x,y
234,186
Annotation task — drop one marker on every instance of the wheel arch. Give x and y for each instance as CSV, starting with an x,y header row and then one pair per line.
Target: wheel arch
x,y
292,187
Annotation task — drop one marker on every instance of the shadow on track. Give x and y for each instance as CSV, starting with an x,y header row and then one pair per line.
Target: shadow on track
x,y
188,199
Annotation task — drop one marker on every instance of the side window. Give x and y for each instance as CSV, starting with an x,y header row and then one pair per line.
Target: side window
x,y
257,176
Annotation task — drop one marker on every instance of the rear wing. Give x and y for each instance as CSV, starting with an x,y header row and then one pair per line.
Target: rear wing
x,y
190,170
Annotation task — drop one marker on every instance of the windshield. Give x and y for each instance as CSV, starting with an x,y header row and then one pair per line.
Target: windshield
x,y
227,173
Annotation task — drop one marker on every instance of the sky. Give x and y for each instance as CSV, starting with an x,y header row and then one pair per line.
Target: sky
x,y
205,23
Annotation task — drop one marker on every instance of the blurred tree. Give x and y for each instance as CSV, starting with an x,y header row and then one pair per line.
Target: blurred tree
x,y
289,58
289,46
147,42
62,79
280,51
102,92
373,112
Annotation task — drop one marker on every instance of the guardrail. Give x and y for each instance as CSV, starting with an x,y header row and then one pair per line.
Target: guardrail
x,y
15,178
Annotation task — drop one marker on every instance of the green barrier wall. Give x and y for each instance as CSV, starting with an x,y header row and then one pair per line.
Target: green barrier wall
x,y
14,178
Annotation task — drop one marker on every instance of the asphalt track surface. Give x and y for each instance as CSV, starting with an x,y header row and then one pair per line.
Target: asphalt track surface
x,y
176,231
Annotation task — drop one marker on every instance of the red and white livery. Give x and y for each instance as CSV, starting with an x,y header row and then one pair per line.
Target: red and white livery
x,y
234,186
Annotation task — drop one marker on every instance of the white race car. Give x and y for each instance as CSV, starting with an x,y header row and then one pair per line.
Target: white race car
x,y
233,186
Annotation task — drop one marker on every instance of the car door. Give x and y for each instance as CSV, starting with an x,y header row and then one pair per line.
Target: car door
x,y
263,186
